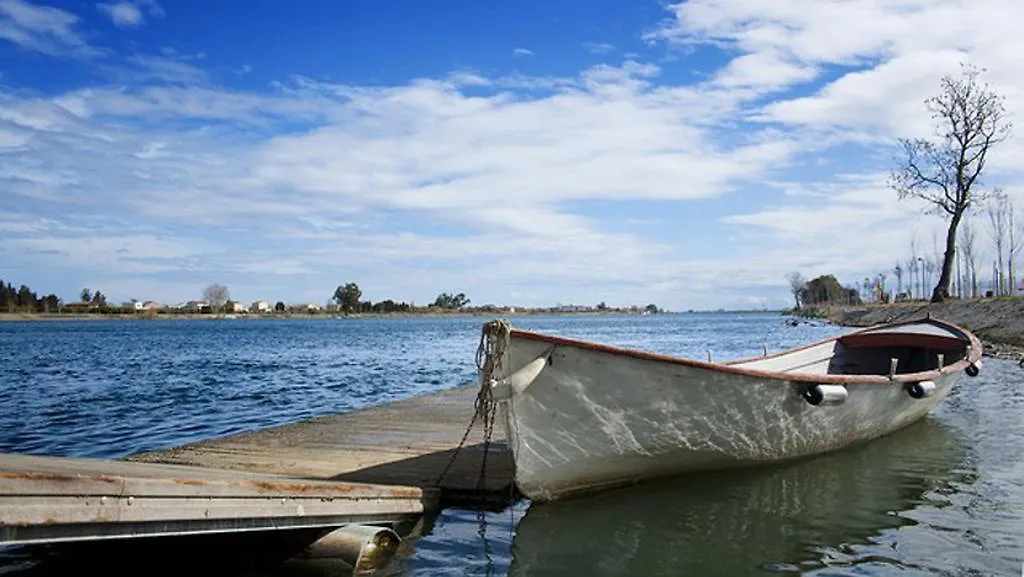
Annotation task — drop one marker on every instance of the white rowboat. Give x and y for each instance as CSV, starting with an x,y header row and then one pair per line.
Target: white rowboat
x,y
582,416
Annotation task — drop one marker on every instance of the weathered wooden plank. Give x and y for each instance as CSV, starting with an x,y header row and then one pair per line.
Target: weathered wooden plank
x,y
28,475
53,499
243,511
407,442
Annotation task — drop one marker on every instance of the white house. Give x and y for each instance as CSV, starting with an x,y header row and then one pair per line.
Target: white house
x,y
235,307
259,307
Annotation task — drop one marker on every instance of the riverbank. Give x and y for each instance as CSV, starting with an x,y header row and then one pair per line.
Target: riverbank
x,y
113,316
998,322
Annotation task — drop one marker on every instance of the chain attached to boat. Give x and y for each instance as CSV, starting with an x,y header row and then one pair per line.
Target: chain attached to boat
x,y
490,355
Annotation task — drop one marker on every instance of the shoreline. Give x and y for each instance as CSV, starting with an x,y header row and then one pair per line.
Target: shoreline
x,y
112,316
57,317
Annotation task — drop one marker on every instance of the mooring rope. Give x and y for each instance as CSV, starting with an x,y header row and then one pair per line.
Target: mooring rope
x,y
490,354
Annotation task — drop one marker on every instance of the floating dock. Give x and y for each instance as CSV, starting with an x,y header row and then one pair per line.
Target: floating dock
x,y
369,466
61,500
408,442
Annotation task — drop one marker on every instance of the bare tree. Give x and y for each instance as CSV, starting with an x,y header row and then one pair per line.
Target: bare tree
x,y
969,120
797,282
216,295
929,269
912,268
958,278
898,271
998,210
915,268
969,256
1015,245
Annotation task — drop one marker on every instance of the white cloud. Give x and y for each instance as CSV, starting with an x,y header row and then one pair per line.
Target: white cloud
x,y
44,29
522,52
867,99
158,103
11,139
819,31
123,14
865,34
764,70
598,47
130,14
419,147
169,69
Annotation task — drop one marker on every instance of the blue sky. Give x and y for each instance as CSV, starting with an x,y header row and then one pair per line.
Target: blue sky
x,y
530,153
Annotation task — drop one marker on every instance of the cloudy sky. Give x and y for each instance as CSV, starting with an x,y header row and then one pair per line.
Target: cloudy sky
x,y
527,153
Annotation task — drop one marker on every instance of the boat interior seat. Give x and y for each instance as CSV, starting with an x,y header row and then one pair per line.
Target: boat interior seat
x,y
812,360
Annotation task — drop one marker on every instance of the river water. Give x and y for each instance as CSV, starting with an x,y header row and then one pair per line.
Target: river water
x,y
943,497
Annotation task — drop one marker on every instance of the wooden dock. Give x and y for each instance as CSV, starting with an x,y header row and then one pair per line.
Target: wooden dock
x,y
373,465
407,442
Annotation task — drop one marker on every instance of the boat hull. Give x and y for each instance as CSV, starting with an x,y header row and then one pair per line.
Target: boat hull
x,y
590,420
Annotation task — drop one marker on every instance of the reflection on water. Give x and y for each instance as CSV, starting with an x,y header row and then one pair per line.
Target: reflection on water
x,y
782,518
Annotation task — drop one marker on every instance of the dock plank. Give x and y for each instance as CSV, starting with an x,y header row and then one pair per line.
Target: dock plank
x,y
60,500
407,442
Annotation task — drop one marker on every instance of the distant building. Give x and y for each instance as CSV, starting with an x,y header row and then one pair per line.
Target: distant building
x,y
197,306
235,307
259,307
133,305
151,306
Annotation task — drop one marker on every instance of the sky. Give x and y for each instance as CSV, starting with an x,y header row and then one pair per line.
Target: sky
x,y
531,153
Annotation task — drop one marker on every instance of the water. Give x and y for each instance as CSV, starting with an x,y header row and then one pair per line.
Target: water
x,y
944,497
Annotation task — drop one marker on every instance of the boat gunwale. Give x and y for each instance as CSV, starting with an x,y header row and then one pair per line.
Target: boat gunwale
x,y
973,344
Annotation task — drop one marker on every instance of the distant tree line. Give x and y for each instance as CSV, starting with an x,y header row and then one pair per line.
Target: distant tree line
x,y
24,299
348,299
